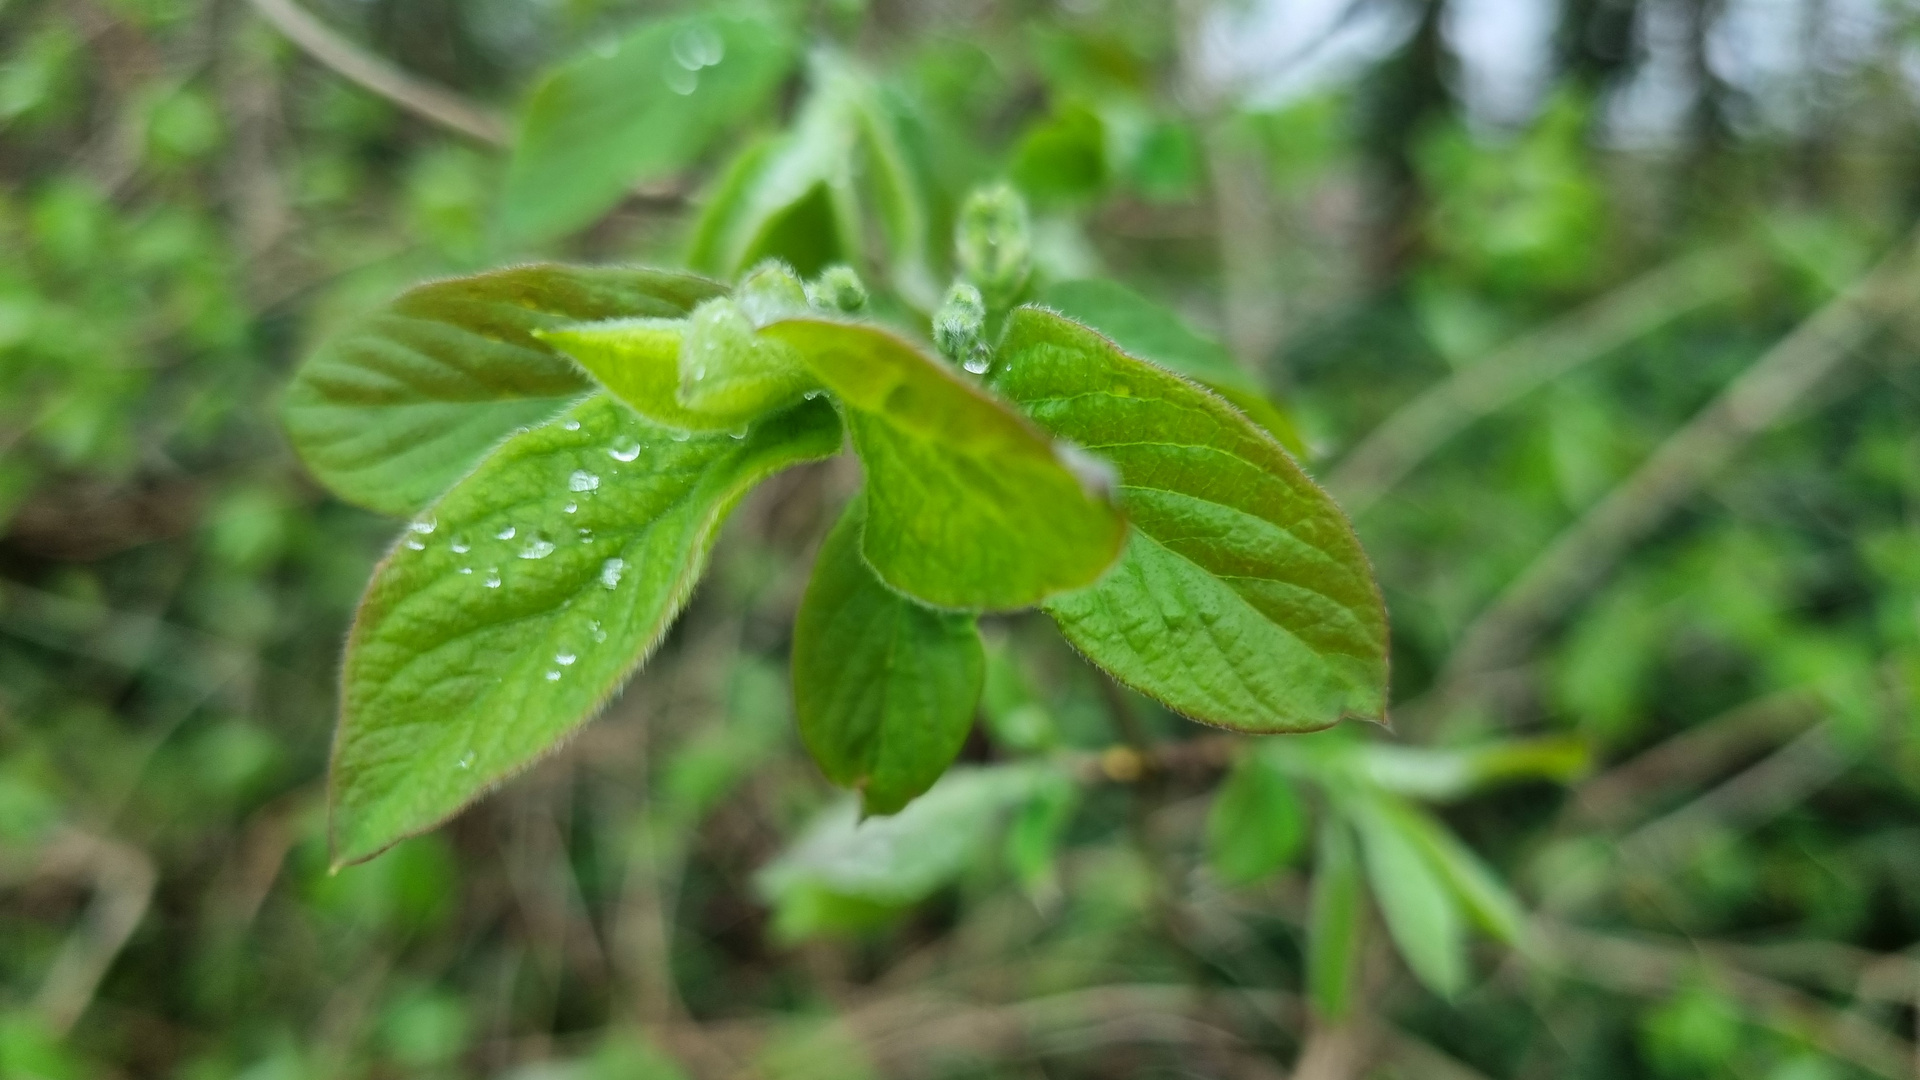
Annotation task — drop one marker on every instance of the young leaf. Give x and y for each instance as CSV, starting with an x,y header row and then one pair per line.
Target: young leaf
x,y
884,688
793,198
1256,822
898,860
395,408
1416,903
1334,921
1487,899
639,108
1145,329
1243,598
968,507
508,616
638,362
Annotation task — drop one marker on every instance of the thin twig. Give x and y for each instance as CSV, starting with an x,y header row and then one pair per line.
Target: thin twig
x,y
1755,796
123,879
1405,439
424,99
1587,550
1650,967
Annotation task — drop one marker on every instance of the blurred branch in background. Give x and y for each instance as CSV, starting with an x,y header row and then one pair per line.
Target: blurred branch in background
x,y
1398,445
1587,551
436,104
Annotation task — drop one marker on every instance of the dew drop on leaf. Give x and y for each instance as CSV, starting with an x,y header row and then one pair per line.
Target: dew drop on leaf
x,y
571,425
680,80
586,536
571,508
493,578
414,543
627,450
582,480
564,659
424,526
538,547
466,569
610,572
505,534
460,545
553,676
466,760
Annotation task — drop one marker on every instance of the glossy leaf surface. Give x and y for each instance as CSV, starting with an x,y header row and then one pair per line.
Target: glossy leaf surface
x,y
1243,598
884,688
968,505
506,618
396,407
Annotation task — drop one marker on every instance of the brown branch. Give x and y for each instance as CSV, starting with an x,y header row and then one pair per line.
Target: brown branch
x,y
424,99
1587,550
1405,439
1651,967
123,879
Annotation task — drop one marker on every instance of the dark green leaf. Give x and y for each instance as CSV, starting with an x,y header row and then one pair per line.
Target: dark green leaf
x,y
968,507
511,613
1146,330
1334,921
1243,598
883,687
639,108
1256,822
1063,157
396,407
1419,908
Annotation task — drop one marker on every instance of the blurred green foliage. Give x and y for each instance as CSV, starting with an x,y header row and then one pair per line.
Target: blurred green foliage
x,y
189,200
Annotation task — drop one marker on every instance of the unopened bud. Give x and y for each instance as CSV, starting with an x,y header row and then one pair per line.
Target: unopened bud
x,y
838,288
994,242
960,328
770,292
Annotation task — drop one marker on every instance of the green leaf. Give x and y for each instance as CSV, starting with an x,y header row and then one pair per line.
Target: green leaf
x,y
1419,908
792,199
1438,773
1334,921
886,863
639,108
1243,598
1062,158
968,506
1256,822
536,585
1486,898
883,687
1146,330
395,408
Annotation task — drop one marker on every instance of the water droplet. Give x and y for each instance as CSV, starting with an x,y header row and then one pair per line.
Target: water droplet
x,y
460,545
582,480
538,547
571,425
977,364
741,434
697,47
679,436
466,569
571,508
586,536
564,659
680,80
414,543
493,578
812,394
553,676
593,627
504,534
466,760
424,526
624,450
610,572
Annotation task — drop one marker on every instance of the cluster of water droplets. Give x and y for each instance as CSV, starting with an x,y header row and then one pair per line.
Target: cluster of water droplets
x,y
418,529
694,48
